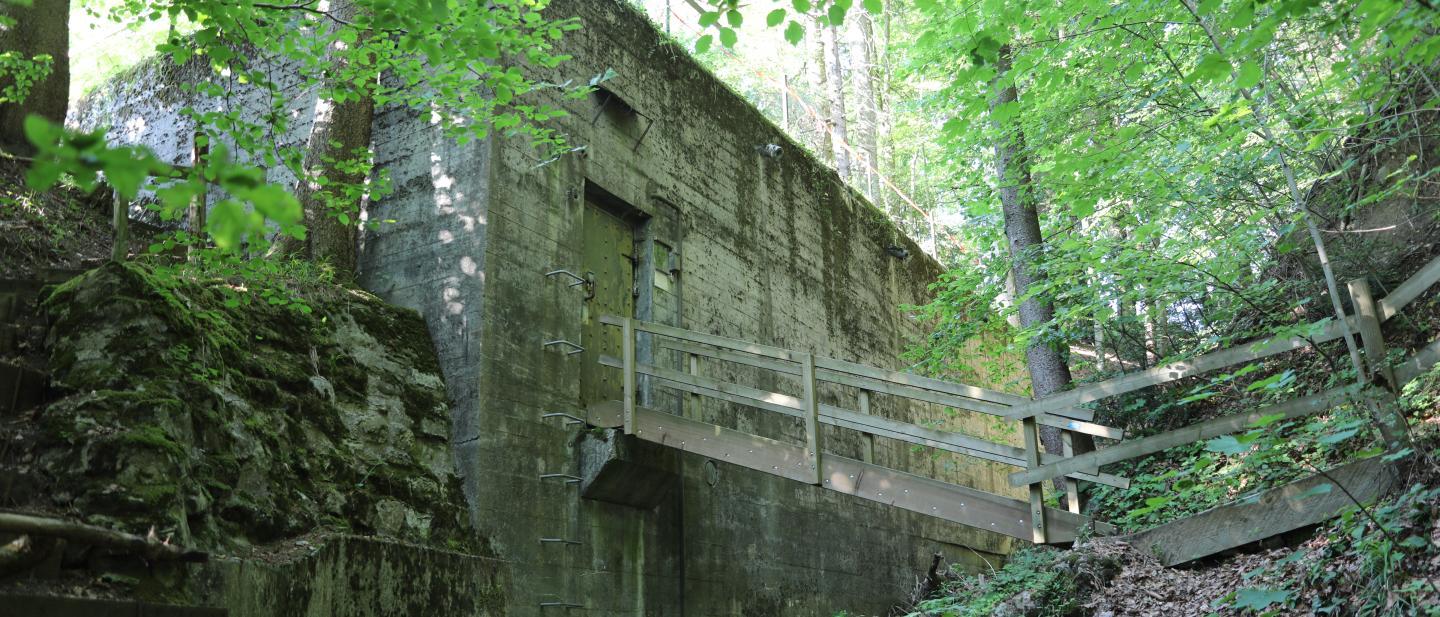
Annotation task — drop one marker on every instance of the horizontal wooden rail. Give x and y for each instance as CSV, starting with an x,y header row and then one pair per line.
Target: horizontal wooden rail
x,y
1175,371
700,337
960,504
1295,408
896,384
793,406
1418,363
1407,292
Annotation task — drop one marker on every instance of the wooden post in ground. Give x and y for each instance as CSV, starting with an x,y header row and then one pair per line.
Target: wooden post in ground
x,y
195,216
627,353
867,453
1037,489
121,220
812,413
1384,409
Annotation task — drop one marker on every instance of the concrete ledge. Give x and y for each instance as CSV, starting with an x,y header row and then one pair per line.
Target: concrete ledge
x,y
352,576
622,469
65,606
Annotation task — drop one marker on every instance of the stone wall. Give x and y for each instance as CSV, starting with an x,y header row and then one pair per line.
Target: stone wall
x,y
729,242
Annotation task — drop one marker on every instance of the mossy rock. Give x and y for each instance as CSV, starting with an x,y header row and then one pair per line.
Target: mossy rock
x,y
227,423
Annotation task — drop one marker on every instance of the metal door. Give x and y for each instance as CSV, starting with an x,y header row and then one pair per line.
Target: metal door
x,y
608,256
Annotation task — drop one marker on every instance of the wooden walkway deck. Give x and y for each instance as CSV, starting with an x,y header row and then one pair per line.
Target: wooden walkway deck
x,y
1280,510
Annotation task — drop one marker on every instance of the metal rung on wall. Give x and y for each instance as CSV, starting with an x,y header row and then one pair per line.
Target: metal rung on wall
x,y
569,419
574,348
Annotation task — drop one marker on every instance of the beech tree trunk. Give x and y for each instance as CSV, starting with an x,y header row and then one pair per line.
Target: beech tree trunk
x,y
863,68
42,28
1049,372
835,81
340,133
815,74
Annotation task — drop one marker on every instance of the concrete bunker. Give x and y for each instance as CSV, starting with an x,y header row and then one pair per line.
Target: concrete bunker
x,y
673,213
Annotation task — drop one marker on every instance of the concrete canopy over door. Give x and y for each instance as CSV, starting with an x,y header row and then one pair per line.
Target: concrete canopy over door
x,y
609,259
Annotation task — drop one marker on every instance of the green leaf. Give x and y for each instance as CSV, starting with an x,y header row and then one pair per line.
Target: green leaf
x,y
1258,598
735,18
1331,439
1249,76
836,14
801,6
1213,67
702,44
794,32
874,7
41,132
1264,421
709,18
728,37
1231,444
775,17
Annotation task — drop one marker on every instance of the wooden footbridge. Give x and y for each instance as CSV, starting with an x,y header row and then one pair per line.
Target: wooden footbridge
x,y
1278,511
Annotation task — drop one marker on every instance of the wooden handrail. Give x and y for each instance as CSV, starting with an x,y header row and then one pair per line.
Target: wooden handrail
x,y
896,389
1294,408
1175,371
1407,292
700,337
794,406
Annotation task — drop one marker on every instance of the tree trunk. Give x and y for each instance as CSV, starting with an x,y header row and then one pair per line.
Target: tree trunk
x,y
835,81
340,133
884,144
863,67
43,28
1049,372
815,73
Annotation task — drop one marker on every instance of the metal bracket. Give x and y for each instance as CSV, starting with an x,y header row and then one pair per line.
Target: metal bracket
x,y
569,419
564,605
576,280
574,348
559,541
569,479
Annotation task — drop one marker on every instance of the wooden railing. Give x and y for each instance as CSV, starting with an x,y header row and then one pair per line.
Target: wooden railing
x,y
1030,521
1374,391
811,463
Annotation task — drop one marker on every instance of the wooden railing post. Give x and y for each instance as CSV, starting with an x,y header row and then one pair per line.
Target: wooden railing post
x,y
1037,489
812,413
627,353
1072,486
867,444
1385,410
694,398
195,217
121,220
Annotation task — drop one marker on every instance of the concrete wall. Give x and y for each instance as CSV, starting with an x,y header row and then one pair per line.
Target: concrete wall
x,y
774,251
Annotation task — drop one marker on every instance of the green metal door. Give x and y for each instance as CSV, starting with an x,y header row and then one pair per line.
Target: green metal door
x,y
608,256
